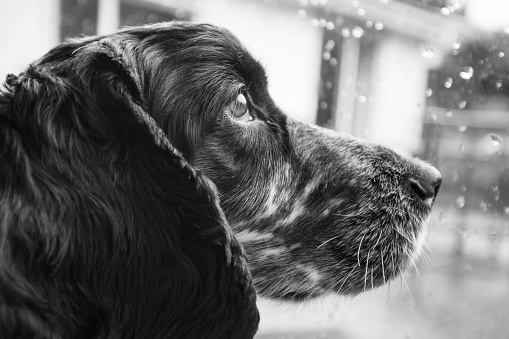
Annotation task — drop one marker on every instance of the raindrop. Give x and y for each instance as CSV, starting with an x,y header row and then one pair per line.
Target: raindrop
x,y
385,2
361,12
501,54
355,4
330,45
379,26
180,13
462,104
326,56
301,13
443,216
333,62
323,2
449,113
484,206
506,30
369,24
456,45
461,147
357,32
345,32
328,84
433,117
462,128
448,83
330,25
323,22
323,105
445,11
314,23
498,83
362,99
303,3
429,92
467,72
460,201
497,141
493,235
506,210
427,52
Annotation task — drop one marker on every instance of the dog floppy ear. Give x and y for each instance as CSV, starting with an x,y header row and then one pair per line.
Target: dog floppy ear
x,y
104,227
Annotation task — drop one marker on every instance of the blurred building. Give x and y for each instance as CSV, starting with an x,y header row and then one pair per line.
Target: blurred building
x,y
356,66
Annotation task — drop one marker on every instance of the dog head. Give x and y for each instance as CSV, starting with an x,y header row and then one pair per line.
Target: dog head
x,y
110,143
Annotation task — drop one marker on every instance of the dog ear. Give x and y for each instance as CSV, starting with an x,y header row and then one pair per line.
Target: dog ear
x,y
89,183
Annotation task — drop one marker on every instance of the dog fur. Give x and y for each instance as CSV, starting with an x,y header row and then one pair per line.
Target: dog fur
x,y
125,172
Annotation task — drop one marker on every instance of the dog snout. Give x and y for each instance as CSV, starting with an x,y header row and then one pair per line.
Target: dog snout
x,y
425,182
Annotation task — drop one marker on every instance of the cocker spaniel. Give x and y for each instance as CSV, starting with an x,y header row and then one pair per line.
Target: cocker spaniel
x,y
133,164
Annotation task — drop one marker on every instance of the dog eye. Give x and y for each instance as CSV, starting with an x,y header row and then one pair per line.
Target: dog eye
x,y
238,109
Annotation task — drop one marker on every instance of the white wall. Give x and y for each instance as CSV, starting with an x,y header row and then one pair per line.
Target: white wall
x,y
398,87
28,29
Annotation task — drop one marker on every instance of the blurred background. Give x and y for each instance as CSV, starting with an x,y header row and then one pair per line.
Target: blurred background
x,y
429,78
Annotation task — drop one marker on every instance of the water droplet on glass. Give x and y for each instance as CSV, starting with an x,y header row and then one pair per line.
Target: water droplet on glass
x,y
445,11
456,45
303,3
323,2
448,83
369,24
449,113
361,12
497,141
433,117
498,83
315,23
379,26
357,32
328,84
329,25
462,104
493,235
429,92
460,201
461,147
462,128
506,210
323,105
301,13
443,216
323,22
385,2
427,52
463,188
501,54
333,62
362,99
467,72
345,32
484,206
326,56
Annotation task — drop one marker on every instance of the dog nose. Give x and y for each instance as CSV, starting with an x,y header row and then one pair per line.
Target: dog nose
x,y
425,183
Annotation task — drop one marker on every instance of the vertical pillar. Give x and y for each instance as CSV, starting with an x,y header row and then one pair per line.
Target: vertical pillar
x,y
108,16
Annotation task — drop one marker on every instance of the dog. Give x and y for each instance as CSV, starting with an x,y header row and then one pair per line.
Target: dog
x,y
150,188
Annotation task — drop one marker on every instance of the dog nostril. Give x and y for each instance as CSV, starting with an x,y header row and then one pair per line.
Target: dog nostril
x,y
427,184
422,189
